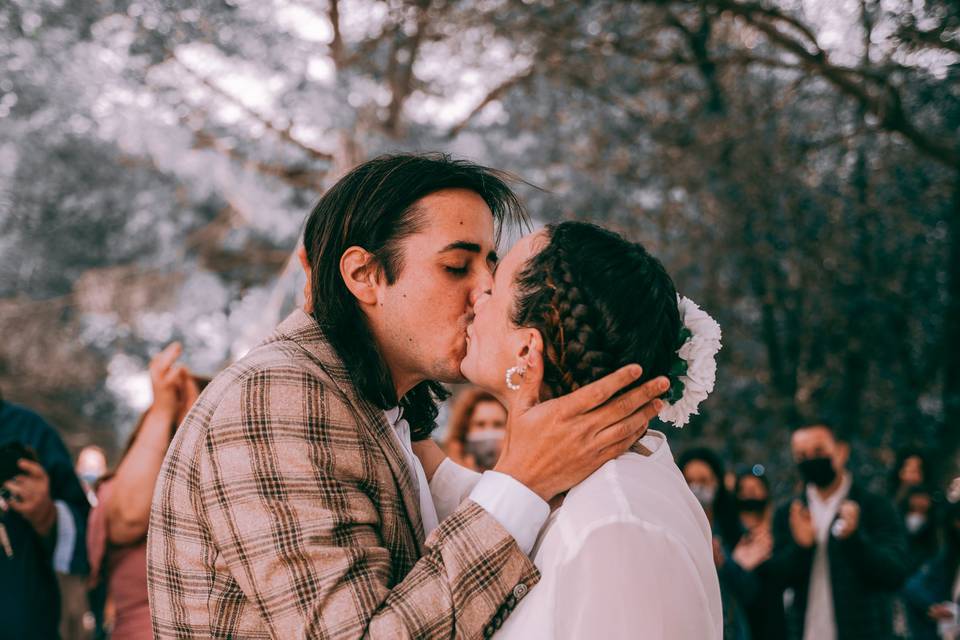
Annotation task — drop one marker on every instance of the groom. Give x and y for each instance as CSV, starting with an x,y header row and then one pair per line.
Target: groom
x,y
290,504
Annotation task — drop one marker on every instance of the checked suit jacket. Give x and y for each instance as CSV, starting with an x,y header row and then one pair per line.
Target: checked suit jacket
x,y
285,509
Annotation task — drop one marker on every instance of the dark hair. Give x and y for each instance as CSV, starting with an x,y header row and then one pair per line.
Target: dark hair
x,y
819,424
374,207
902,456
725,520
762,477
600,302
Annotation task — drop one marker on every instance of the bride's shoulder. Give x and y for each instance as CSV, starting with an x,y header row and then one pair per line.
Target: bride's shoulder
x,y
632,486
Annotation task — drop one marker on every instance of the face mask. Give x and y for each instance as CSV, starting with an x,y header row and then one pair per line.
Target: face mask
x,y
818,471
90,478
752,505
704,494
485,446
915,522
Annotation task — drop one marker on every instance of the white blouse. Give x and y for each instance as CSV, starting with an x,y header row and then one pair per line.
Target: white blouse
x,y
627,555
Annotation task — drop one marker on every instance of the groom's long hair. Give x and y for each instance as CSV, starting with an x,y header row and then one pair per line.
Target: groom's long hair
x,y
373,207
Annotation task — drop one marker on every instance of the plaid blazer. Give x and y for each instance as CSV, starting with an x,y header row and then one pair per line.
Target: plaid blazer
x,y
285,509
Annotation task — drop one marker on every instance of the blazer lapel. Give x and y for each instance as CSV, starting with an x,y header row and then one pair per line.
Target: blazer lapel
x,y
304,330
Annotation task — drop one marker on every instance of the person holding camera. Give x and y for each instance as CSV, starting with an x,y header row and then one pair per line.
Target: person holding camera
x,y
43,518
839,548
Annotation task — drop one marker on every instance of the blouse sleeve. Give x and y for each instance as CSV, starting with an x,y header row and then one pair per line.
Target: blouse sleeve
x,y
451,484
632,580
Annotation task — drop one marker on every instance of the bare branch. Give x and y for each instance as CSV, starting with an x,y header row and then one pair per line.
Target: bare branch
x,y
400,72
285,133
494,94
873,91
936,38
336,46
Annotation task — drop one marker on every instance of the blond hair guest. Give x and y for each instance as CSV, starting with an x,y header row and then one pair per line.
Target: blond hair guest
x,y
477,426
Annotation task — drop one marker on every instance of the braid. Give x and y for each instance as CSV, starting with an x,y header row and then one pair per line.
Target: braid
x,y
575,352
589,323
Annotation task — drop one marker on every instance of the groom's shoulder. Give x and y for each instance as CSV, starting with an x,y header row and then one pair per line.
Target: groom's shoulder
x,y
280,363
296,352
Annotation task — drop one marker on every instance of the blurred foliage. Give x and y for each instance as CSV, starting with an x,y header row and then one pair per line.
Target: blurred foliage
x,y
796,164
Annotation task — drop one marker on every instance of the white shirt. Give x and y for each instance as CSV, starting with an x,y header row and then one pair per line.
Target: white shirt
x,y
820,622
627,555
518,509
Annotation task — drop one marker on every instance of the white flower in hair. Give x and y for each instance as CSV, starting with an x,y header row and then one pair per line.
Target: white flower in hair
x,y
693,375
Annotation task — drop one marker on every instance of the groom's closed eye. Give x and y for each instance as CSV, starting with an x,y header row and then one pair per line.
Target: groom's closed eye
x,y
457,271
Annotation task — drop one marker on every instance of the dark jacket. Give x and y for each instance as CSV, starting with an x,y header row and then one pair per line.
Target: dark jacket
x,y
931,585
866,569
30,602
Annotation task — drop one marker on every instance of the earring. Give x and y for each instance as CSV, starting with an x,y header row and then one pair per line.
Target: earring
x,y
522,369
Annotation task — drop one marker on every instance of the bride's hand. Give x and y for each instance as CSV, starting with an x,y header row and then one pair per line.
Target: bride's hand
x,y
554,445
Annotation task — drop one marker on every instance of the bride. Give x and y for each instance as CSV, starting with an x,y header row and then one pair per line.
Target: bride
x,y
626,553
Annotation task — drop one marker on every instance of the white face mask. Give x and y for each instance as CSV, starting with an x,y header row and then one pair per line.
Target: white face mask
x,y
485,446
704,494
915,522
486,435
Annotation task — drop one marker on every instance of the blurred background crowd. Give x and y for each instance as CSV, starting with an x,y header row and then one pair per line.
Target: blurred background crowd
x,y
795,164
809,550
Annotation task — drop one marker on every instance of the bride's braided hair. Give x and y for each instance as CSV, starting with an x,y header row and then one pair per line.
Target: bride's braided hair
x,y
600,302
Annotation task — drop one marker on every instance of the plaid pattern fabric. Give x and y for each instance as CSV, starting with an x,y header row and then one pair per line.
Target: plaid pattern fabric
x,y
285,509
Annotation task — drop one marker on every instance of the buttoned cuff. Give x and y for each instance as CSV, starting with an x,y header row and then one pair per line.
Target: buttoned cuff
x,y
518,509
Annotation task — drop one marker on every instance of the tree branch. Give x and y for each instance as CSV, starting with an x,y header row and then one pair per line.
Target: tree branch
x,y
336,45
884,102
284,133
494,94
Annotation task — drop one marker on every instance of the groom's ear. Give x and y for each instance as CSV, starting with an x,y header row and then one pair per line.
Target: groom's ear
x,y
359,271
302,256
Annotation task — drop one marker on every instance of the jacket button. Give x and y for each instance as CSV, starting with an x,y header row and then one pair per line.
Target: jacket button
x,y
488,631
511,601
497,621
519,591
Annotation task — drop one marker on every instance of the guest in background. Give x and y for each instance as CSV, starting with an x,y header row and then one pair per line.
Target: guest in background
x,y
765,611
909,471
476,429
839,548
918,509
752,490
91,465
703,470
933,592
43,519
118,524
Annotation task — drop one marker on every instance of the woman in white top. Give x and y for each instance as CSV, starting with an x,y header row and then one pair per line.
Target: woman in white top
x,y
626,553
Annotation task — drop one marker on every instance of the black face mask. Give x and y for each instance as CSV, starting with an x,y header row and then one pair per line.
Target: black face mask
x,y
818,471
752,505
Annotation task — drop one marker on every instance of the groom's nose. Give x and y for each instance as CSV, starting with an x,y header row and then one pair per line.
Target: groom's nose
x,y
484,284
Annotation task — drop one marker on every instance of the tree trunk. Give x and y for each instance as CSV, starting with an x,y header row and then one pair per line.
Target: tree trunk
x,y
949,441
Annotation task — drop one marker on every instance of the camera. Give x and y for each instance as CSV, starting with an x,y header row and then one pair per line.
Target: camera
x,y
10,454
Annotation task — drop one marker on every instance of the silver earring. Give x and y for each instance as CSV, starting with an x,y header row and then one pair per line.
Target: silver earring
x,y
522,369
